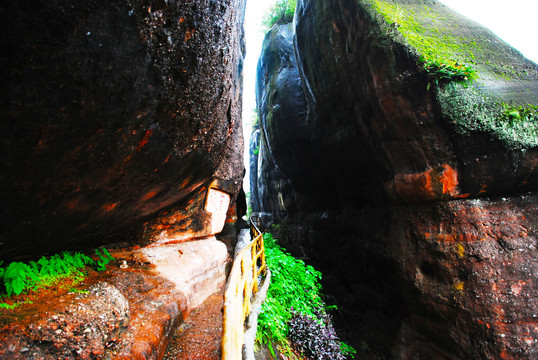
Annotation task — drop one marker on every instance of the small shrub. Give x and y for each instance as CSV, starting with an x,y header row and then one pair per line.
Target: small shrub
x,y
442,72
17,277
103,259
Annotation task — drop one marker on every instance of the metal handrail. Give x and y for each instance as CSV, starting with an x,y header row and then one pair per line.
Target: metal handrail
x,y
248,265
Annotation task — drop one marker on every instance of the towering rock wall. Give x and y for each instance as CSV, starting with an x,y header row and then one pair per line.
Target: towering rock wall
x,y
117,118
282,146
280,98
425,222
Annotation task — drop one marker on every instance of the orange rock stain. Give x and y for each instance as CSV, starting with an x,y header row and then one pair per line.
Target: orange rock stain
x,y
144,140
110,206
189,34
149,195
449,180
436,183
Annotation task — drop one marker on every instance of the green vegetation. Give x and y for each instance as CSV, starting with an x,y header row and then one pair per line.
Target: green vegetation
x,y
293,285
439,51
450,59
294,290
280,13
248,197
103,259
255,120
515,125
523,113
19,277
13,306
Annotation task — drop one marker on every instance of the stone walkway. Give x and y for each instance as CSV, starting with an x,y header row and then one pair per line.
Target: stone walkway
x,y
200,336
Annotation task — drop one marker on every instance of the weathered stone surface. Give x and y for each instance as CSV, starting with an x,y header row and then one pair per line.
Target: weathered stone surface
x,y
114,114
197,268
452,280
78,326
427,234
127,312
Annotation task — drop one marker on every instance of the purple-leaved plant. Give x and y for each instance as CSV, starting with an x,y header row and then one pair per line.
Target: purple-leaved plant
x,y
315,338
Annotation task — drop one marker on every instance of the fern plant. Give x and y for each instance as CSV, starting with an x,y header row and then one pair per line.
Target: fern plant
x,y
18,276
103,259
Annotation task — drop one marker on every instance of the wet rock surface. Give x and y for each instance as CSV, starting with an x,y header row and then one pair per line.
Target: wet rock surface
x,y
196,267
373,108
448,280
115,114
425,227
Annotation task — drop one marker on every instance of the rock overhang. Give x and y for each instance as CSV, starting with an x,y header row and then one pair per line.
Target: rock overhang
x,y
114,115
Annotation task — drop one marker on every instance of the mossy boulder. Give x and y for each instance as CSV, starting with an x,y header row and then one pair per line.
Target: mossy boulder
x,y
424,126
403,88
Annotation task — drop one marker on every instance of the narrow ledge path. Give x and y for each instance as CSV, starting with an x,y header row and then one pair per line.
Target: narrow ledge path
x,y
200,336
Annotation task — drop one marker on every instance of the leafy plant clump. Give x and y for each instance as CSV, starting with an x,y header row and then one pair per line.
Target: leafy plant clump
x,y
280,13
294,296
445,72
103,258
18,277
316,338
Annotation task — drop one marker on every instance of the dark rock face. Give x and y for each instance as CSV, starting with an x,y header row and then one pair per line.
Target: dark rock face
x,y
451,280
254,150
426,228
282,139
279,96
113,112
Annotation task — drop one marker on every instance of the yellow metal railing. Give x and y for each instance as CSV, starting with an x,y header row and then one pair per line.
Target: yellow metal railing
x,y
248,265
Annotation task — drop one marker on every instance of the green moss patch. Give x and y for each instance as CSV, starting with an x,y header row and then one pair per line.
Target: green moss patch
x,y
469,110
454,50
443,54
